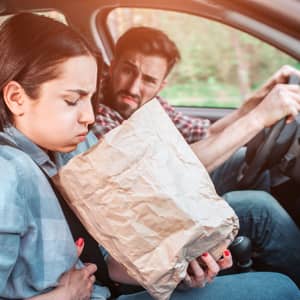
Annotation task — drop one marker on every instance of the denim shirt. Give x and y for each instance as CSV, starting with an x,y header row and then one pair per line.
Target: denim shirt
x,y
35,241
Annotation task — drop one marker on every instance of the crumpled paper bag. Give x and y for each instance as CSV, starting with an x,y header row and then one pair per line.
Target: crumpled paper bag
x,y
143,194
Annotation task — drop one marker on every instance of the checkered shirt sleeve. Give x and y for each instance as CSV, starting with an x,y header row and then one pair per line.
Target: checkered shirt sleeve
x,y
106,120
192,129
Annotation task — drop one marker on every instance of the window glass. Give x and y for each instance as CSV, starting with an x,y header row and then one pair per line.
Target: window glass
x,y
220,65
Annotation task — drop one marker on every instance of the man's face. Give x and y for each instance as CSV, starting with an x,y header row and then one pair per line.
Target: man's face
x,y
135,79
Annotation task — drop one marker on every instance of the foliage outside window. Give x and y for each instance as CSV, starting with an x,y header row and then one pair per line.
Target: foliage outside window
x,y
220,65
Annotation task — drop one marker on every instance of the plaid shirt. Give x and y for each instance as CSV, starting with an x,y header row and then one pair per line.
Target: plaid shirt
x,y
192,129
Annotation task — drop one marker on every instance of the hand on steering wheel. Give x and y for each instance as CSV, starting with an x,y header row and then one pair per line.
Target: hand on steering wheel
x,y
260,154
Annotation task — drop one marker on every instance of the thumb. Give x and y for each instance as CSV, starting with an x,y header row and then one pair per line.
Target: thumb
x,y
80,245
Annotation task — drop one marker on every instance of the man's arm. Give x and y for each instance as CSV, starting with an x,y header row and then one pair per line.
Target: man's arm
x,y
219,146
280,77
192,129
282,101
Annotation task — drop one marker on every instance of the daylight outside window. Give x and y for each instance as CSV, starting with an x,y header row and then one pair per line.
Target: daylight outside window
x,y
220,65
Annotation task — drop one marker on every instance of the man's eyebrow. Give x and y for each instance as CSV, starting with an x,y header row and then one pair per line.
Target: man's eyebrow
x,y
146,76
129,63
150,78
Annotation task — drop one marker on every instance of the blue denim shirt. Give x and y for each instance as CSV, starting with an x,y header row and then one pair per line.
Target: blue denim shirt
x,y
35,241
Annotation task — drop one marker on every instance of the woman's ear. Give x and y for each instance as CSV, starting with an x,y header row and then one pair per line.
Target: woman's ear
x,y
13,95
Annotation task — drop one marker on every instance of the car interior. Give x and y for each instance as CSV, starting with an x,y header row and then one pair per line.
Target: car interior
x,y
273,24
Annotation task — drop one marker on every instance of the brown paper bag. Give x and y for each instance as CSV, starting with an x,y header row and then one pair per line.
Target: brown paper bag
x,y
143,194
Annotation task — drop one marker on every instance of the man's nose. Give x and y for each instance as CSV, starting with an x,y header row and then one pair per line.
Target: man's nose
x,y
135,86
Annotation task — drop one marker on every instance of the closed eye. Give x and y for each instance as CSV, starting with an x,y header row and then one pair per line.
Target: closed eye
x,y
72,102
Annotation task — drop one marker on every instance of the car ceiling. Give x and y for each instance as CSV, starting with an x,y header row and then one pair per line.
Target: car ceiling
x,y
276,21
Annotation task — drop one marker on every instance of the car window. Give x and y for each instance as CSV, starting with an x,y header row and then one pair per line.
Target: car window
x,y
220,65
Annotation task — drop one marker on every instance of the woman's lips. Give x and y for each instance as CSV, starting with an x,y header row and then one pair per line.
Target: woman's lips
x,y
82,136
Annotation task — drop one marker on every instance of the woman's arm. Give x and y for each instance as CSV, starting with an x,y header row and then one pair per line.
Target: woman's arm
x,y
74,284
118,273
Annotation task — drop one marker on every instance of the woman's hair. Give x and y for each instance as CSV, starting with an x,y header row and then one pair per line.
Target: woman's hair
x,y
149,41
31,47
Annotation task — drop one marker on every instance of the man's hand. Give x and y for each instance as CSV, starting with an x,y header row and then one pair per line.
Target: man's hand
x,y
204,269
280,77
282,101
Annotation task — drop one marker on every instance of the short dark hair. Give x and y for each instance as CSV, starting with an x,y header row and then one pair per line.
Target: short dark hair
x,y
149,41
31,47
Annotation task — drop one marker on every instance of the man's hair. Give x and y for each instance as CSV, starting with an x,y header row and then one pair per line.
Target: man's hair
x,y
31,48
149,41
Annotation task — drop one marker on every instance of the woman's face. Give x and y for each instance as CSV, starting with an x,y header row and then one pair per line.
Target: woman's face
x,y
58,120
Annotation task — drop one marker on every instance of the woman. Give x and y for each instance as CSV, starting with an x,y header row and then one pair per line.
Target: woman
x,y
48,77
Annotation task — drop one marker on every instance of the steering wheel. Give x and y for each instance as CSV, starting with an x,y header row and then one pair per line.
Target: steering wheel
x,y
266,149
251,169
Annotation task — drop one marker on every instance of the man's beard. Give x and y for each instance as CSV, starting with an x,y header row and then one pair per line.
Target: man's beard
x,y
124,108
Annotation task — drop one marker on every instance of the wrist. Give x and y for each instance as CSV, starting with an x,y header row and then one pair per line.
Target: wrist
x,y
256,120
62,293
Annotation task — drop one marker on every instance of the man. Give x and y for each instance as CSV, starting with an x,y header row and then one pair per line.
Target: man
x,y
138,73
143,59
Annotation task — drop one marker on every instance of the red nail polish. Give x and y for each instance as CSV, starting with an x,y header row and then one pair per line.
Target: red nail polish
x,y
226,253
79,242
205,254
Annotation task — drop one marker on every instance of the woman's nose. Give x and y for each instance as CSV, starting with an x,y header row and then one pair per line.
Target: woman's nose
x,y
87,115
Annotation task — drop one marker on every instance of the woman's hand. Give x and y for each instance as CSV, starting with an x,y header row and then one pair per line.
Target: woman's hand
x,y
78,284
74,284
204,269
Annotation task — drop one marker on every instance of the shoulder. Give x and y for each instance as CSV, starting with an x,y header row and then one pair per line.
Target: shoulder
x,y
15,159
19,174
14,163
107,113
164,102
15,185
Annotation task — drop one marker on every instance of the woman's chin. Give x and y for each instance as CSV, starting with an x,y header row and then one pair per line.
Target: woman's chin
x,y
66,148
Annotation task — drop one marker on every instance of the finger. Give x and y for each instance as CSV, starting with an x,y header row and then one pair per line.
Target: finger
x,y
197,274
92,279
90,269
187,280
287,71
294,107
212,266
294,87
226,261
284,73
79,245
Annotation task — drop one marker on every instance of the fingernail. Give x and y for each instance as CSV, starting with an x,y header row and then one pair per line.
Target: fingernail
x,y
79,242
205,254
227,253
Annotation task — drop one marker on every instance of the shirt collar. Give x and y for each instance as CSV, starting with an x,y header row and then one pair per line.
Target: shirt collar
x,y
35,152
